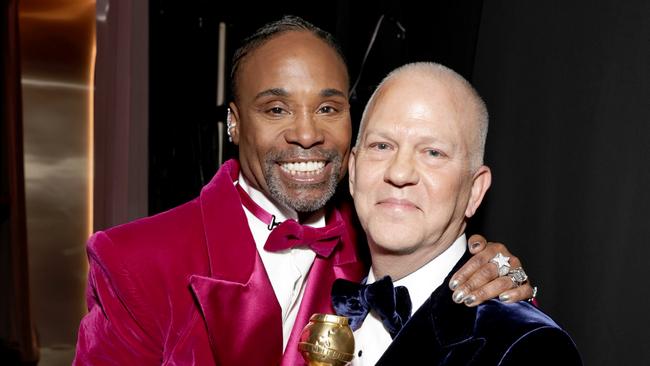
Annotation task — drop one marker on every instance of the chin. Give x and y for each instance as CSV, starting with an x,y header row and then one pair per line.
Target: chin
x,y
309,200
391,242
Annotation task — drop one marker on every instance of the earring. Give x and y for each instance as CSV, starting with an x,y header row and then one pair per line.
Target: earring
x,y
229,124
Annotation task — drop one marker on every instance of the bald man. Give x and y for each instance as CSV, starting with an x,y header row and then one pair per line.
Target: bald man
x,y
417,175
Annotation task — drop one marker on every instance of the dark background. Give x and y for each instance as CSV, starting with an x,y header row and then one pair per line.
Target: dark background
x,y
567,85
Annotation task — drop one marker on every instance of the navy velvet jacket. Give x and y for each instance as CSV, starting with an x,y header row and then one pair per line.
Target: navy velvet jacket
x,y
442,332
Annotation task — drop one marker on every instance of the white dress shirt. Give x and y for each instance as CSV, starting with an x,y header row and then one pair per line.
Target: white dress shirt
x,y
372,339
287,269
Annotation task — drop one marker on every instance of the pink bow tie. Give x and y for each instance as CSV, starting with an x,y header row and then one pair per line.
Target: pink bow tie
x,y
291,234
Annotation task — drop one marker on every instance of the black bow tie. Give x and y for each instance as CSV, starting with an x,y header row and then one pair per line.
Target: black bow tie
x,y
355,301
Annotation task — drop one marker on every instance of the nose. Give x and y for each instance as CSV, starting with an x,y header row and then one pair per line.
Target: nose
x,y
305,131
401,171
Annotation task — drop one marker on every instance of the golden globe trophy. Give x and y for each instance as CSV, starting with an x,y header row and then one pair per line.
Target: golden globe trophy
x,y
327,341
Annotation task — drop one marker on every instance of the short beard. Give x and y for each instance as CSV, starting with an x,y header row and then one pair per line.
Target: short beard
x,y
302,202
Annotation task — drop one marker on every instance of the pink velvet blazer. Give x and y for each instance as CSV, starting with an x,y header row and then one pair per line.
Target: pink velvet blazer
x,y
187,287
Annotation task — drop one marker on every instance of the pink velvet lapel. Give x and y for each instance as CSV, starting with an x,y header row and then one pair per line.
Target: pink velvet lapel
x,y
342,264
241,312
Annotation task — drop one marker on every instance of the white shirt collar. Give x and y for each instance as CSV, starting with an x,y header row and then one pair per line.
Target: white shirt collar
x,y
429,277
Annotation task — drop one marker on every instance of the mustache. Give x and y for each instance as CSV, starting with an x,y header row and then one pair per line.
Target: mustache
x,y
298,153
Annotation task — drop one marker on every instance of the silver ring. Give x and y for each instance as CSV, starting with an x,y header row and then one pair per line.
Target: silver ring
x,y
532,298
503,264
518,277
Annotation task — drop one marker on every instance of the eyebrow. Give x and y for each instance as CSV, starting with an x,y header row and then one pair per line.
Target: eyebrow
x,y
280,92
330,92
384,134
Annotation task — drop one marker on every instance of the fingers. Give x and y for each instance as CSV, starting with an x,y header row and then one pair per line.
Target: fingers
x,y
478,280
523,292
477,262
486,292
484,284
476,243
501,287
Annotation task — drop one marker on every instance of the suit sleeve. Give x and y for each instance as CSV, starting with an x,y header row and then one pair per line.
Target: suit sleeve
x,y
543,346
111,333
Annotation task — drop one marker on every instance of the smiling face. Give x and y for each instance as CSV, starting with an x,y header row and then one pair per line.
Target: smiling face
x,y
293,120
411,174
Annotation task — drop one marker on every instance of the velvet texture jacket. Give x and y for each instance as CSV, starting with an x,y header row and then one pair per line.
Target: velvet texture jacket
x,y
187,287
442,332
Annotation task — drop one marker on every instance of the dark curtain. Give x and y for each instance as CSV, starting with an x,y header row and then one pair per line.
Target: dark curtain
x,y
568,88
17,341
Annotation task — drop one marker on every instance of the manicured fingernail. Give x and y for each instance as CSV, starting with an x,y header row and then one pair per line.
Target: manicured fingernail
x,y
454,284
470,299
476,245
504,297
459,296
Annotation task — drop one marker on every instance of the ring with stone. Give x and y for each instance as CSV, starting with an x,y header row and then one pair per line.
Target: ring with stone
x,y
518,276
503,264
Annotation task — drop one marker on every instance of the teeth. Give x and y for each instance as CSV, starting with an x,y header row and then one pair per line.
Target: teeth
x,y
309,167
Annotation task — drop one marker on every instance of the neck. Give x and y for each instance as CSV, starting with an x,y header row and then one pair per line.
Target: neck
x,y
307,218
399,264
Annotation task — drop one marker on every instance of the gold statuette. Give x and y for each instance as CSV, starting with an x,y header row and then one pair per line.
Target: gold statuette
x,y
327,341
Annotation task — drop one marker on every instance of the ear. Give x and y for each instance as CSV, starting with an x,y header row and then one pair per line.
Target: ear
x,y
234,118
480,184
351,170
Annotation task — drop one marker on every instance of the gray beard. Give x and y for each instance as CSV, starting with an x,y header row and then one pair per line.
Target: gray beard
x,y
300,202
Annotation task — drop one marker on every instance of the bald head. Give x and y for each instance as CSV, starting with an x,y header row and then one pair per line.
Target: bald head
x,y
458,93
